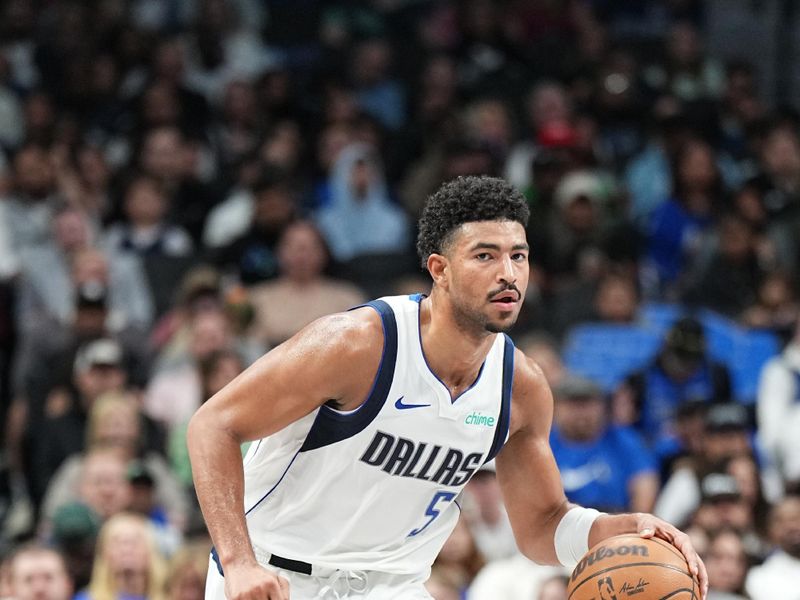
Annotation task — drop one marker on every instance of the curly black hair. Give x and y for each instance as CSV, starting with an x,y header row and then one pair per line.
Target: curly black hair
x,y
465,200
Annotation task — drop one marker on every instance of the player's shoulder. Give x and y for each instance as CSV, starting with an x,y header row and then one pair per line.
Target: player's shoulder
x,y
528,375
347,334
531,399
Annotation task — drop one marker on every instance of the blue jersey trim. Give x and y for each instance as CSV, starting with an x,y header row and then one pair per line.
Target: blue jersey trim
x,y
418,299
331,426
503,422
272,489
215,558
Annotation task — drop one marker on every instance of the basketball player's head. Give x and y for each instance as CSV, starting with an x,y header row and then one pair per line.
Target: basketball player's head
x,y
472,241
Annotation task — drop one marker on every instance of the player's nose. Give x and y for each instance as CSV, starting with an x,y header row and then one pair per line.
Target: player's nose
x,y
507,272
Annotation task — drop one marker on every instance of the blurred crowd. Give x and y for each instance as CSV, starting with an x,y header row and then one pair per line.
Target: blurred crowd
x,y
184,184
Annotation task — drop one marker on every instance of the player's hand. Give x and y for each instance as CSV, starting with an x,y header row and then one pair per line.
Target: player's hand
x,y
254,582
649,526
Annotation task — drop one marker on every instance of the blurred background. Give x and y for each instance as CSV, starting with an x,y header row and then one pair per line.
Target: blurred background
x,y
185,184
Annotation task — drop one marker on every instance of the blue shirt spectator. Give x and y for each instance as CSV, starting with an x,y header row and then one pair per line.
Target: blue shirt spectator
x,y
602,465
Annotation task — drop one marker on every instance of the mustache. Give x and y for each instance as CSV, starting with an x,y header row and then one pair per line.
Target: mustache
x,y
506,288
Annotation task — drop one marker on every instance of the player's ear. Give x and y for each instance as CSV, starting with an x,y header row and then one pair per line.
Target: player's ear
x,y
437,267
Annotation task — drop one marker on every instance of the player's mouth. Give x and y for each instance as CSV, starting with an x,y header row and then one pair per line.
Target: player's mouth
x,y
508,297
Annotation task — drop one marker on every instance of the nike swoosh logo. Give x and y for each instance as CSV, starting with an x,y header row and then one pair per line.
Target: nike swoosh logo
x,y
399,404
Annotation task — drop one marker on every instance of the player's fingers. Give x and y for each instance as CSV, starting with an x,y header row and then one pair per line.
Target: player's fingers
x,y
702,580
284,585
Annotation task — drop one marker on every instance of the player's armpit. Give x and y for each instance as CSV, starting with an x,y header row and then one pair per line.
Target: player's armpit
x,y
526,469
333,358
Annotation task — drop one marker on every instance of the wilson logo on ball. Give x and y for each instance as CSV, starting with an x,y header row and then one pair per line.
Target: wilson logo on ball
x,y
603,553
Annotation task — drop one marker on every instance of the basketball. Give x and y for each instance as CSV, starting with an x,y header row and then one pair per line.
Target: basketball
x,y
628,566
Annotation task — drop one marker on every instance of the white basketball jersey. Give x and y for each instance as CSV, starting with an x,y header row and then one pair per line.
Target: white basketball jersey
x,y
377,488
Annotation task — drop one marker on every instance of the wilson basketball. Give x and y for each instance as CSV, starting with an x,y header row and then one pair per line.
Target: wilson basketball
x,y
628,566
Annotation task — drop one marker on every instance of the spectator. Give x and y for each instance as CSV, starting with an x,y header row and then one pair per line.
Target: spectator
x,y
776,578
252,255
687,73
128,564
186,577
216,371
723,507
116,423
775,307
547,104
777,409
545,353
32,199
486,515
681,372
361,219
677,228
727,565
779,177
167,156
174,393
53,272
301,293
460,556
554,588
728,279
515,578
39,573
725,437
99,369
376,92
74,534
146,232
104,487
601,465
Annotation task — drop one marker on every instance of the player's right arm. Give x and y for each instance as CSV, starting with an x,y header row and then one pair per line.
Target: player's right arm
x,y
334,358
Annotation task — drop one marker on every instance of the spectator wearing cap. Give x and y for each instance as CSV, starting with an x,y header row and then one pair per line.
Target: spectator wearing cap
x,y
74,534
778,577
725,440
576,224
99,368
681,372
601,465
778,410
723,506
39,573
56,345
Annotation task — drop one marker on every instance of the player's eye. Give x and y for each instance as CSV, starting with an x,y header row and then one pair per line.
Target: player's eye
x,y
519,256
483,256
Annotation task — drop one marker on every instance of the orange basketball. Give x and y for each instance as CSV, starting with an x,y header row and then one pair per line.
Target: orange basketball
x,y
628,566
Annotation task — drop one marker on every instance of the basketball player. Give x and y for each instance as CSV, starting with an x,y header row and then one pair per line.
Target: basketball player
x,y
371,422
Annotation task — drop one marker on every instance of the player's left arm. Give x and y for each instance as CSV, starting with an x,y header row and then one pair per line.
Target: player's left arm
x,y
532,489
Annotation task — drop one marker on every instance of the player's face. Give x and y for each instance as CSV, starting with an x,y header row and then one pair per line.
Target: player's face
x,y
487,274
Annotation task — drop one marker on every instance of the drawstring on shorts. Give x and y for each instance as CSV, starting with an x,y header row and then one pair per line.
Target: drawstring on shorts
x,y
341,583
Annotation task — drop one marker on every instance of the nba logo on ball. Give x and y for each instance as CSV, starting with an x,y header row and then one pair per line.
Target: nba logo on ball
x,y
628,566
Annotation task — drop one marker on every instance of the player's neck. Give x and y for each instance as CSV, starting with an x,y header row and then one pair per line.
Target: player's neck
x,y
454,355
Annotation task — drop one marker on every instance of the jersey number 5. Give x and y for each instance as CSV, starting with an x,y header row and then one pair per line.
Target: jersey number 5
x,y
432,512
